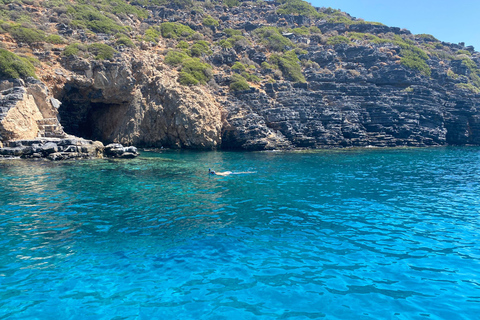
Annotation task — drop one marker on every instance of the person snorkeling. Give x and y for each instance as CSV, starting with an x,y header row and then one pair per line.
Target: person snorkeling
x,y
227,173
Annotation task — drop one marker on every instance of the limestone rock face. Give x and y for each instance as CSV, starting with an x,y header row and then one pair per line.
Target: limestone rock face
x,y
26,110
134,103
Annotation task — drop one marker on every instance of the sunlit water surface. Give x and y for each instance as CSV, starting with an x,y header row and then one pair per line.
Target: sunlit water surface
x,y
366,234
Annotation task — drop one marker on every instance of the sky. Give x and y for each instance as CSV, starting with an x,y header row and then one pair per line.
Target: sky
x,y
447,20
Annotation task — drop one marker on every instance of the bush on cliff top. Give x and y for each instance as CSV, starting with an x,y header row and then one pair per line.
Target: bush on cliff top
x,y
13,66
297,7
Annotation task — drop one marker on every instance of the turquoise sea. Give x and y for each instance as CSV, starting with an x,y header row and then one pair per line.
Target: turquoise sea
x,y
358,234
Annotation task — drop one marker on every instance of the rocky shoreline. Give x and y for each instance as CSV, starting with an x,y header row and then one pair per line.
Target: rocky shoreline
x,y
71,148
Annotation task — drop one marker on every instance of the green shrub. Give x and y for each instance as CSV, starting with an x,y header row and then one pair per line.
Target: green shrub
x,y
231,3
101,51
88,17
187,79
340,19
55,39
412,59
337,40
72,49
468,86
273,39
464,52
299,51
238,83
315,29
120,6
183,45
210,22
266,65
301,31
115,7
193,67
175,30
470,64
232,41
251,77
13,66
239,66
27,35
427,37
356,36
452,74
475,79
224,43
124,41
200,48
178,3
231,32
411,56
152,34
289,65
297,7
175,58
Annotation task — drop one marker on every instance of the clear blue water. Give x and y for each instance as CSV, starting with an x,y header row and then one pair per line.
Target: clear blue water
x,y
366,234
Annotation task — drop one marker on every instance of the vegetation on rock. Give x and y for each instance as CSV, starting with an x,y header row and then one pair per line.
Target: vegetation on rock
x,y
13,66
230,35
290,66
194,72
238,83
175,30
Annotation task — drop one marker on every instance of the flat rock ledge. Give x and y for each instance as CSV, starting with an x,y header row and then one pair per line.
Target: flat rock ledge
x,y
71,148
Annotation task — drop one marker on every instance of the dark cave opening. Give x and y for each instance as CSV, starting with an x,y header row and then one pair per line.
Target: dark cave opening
x,y
83,115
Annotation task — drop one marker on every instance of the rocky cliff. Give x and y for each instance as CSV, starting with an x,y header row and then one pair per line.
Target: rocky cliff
x,y
137,101
232,75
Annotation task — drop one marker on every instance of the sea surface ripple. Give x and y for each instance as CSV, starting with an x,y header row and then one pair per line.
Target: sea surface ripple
x,y
359,234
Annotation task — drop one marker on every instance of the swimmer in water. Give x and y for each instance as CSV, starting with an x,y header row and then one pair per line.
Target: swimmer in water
x,y
227,173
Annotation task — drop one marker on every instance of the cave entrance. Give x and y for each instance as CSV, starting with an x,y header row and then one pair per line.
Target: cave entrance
x,y
84,115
